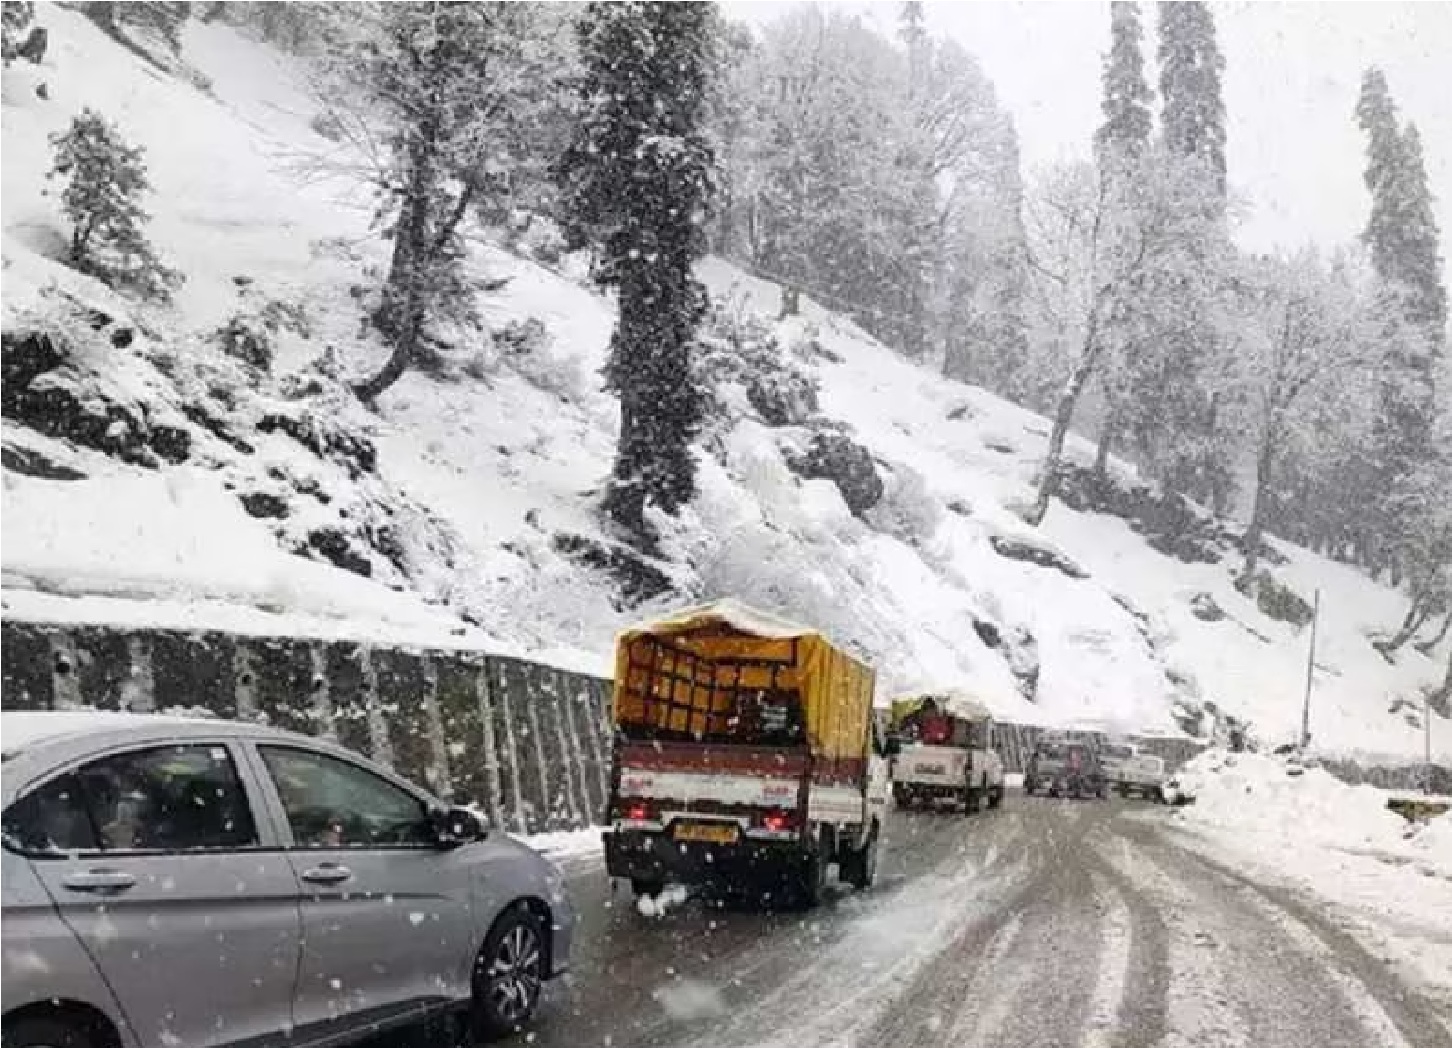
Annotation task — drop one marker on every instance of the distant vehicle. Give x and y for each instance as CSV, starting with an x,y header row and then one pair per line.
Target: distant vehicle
x,y
946,752
194,882
745,758
1129,771
1063,767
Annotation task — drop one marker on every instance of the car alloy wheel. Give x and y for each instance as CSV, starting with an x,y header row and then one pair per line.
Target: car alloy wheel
x,y
511,973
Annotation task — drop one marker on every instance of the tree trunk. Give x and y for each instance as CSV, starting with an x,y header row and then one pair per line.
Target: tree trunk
x,y
1256,531
1107,437
1417,616
1063,417
401,316
1426,646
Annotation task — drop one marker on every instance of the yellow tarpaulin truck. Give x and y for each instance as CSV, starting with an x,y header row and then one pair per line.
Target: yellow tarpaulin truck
x,y
745,757
947,751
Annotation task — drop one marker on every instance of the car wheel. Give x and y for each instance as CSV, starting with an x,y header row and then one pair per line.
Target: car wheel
x,y
46,1032
509,973
996,797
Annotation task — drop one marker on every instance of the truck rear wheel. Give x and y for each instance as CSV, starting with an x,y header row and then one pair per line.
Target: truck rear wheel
x,y
995,796
859,867
643,886
812,882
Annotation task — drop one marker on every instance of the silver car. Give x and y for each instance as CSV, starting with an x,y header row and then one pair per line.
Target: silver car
x,y
182,883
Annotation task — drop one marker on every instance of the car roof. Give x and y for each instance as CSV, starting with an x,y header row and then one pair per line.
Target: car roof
x,y
33,742
22,731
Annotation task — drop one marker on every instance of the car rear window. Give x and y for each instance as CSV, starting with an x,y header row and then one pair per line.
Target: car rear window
x,y
166,798
50,820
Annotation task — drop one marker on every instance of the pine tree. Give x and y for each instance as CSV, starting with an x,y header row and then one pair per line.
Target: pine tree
x,y
1179,418
106,180
1402,237
1125,132
1121,144
638,180
1191,67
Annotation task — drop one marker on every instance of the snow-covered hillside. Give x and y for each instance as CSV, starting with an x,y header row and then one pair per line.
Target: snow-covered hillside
x,y
468,499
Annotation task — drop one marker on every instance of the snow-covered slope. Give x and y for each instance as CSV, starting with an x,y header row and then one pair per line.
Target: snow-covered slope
x,y
469,498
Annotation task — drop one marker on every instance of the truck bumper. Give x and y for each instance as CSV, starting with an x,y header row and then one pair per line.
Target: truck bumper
x,y
748,865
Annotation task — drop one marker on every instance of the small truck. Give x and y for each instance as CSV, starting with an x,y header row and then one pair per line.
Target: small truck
x,y
746,759
945,752
1130,772
1064,765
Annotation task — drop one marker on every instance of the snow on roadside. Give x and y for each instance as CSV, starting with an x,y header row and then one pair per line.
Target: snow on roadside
x,y
1392,879
567,846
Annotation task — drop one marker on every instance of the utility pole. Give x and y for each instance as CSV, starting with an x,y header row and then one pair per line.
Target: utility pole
x,y
1310,674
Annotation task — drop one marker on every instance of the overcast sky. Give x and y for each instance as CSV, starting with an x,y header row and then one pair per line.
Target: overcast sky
x,y
1292,73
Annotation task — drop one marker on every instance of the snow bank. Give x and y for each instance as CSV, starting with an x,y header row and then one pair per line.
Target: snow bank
x,y
1283,801
1391,879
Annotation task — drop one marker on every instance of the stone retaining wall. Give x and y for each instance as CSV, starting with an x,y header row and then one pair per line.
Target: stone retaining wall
x,y
528,743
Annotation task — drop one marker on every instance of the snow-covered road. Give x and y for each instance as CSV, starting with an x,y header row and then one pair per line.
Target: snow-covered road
x,y
1048,924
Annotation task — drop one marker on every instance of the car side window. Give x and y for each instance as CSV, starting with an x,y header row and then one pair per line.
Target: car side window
x,y
332,803
50,821
168,798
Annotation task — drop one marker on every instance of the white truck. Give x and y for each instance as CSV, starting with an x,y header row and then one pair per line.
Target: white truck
x,y
946,751
1129,771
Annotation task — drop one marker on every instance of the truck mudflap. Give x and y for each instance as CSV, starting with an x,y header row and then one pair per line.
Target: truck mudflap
x,y
745,865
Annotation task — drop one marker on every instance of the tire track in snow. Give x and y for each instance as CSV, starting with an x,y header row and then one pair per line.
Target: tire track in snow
x,y
1290,969
1201,1010
1394,1018
839,989
1106,1002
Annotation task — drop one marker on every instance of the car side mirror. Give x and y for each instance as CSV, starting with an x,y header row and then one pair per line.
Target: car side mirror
x,y
453,827
891,746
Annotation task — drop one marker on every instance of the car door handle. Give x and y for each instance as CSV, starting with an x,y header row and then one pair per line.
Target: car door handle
x,y
328,873
102,882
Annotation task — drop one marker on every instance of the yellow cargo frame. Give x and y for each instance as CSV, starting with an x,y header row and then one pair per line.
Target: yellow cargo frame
x,y
680,674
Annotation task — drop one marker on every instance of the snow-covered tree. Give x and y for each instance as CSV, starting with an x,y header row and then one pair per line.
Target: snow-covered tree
x,y
105,181
1403,240
1191,68
638,183
434,104
1099,246
1178,417
1121,146
1422,500
1303,334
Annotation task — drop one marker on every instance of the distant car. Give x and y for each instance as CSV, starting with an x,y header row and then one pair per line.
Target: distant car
x,y
194,883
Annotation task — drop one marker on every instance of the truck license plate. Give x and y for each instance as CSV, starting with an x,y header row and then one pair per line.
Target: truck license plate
x,y
708,832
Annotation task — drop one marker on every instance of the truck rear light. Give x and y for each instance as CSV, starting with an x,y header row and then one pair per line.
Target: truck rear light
x,y
779,821
635,811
